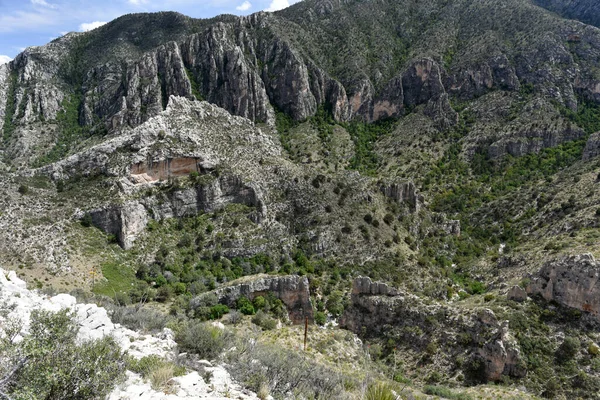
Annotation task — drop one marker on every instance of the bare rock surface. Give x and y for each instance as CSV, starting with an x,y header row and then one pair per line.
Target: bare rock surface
x,y
376,308
571,281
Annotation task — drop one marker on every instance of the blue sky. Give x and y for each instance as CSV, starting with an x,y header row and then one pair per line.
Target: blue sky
x,y
26,23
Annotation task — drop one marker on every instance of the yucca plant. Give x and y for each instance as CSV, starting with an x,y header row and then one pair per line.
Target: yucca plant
x,y
379,391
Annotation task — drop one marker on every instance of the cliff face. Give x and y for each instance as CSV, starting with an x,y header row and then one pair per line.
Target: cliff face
x,y
293,291
571,282
298,61
377,309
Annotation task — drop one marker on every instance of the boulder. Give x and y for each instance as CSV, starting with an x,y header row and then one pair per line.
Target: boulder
x,y
517,293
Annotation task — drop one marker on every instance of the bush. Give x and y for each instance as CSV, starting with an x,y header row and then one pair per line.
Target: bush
x,y
264,321
245,306
379,391
86,221
217,311
50,364
258,365
320,318
202,339
567,350
23,189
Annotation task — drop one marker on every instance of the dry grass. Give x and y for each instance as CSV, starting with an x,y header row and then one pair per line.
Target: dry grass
x,y
161,378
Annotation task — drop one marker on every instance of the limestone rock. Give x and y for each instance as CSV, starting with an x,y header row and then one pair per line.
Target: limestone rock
x,y
517,293
292,290
364,285
404,192
571,281
93,323
592,147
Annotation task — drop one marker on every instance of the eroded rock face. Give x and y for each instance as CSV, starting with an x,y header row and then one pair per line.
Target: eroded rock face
x,y
125,222
501,355
292,290
404,192
378,309
517,293
571,281
592,147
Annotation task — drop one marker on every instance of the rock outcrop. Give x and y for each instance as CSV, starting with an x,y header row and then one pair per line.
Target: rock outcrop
x,y
404,192
292,290
592,147
517,293
93,322
501,354
377,309
571,281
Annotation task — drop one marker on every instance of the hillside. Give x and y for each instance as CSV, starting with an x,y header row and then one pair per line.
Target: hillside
x,y
447,150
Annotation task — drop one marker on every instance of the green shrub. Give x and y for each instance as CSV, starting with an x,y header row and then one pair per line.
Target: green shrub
x,y
320,318
245,306
567,350
23,189
217,311
379,391
202,339
264,321
50,364
86,221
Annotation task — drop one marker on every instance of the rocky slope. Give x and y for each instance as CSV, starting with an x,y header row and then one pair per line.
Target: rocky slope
x,y
93,323
448,150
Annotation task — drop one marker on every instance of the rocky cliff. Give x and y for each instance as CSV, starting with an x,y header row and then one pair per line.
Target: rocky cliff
x,y
293,291
255,65
571,282
377,309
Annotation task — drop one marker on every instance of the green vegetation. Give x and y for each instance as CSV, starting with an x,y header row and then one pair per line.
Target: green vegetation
x,y
445,393
49,363
195,87
119,279
364,135
70,131
379,391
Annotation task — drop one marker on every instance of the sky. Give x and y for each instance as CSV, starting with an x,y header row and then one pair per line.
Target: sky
x,y
25,23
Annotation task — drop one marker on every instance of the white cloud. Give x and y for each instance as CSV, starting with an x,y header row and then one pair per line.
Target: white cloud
x,y
88,26
42,3
278,5
4,59
245,6
137,2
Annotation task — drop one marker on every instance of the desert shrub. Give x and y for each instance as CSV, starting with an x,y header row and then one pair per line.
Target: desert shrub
x,y
139,318
263,320
23,189
202,339
379,391
156,369
50,364
235,317
567,350
283,371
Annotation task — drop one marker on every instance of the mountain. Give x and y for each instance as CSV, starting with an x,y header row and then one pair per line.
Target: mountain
x,y
431,167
